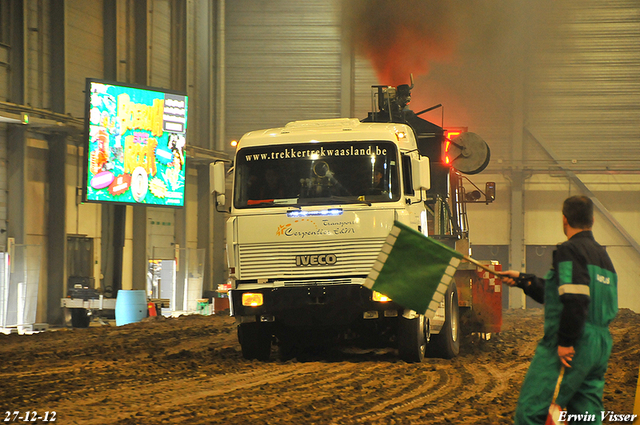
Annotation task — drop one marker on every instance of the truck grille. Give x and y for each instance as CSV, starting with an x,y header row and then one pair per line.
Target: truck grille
x,y
278,261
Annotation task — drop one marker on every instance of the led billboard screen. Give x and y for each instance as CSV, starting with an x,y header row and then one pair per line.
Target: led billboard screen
x,y
136,144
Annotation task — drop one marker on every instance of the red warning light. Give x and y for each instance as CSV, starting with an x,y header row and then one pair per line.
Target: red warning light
x,y
447,159
451,133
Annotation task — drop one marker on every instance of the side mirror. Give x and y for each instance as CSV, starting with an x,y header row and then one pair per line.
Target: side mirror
x,y
217,181
490,191
217,177
420,174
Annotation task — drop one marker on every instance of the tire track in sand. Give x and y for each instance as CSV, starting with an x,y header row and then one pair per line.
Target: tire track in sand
x,y
165,396
306,388
433,388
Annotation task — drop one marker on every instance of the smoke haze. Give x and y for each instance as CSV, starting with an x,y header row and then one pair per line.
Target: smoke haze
x,y
466,54
401,37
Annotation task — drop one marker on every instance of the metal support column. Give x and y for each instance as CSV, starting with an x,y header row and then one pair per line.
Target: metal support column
x,y
57,232
215,238
113,216
139,243
220,87
516,245
17,52
16,182
517,299
205,225
57,56
200,109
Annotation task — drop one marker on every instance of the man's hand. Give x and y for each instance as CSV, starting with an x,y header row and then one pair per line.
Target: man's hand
x,y
509,277
566,355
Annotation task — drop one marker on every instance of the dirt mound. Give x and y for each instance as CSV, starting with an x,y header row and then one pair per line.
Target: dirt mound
x,y
190,370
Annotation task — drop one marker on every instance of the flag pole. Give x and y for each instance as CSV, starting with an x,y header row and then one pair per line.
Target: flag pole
x,y
482,266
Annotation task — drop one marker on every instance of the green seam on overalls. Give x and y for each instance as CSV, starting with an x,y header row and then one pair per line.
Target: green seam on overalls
x,y
565,272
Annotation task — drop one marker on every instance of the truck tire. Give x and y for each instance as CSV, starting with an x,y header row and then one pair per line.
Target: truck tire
x,y
80,318
255,340
412,338
446,344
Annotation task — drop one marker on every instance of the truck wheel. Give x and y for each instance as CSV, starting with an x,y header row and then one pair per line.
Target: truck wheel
x,y
80,318
255,340
446,344
412,338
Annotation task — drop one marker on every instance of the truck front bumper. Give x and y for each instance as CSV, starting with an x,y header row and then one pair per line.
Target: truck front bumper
x,y
313,306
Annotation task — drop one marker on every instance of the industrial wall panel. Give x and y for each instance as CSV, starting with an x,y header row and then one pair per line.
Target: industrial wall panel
x,y
489,224
81,218
625,259
282,63
191,205
160,44
35,218
4,73
37,56
84,50
123,39
584,98
161,230
363,78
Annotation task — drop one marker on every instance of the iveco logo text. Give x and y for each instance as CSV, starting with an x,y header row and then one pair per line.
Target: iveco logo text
x,y
316,260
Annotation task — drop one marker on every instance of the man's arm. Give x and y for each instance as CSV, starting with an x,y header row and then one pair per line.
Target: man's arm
x,y
530,284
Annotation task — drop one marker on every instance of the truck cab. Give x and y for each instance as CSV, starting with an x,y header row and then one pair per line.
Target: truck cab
x,y
312,204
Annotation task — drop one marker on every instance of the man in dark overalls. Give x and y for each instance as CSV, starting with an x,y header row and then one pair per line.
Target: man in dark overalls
x,y
580,300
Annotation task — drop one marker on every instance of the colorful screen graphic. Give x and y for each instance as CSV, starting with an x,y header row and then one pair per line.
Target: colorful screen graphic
x,y
136,148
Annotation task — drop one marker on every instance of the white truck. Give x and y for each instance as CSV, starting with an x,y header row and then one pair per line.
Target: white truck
x,y
311,206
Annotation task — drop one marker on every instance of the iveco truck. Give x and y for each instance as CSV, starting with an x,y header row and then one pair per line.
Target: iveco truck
x,y
311,205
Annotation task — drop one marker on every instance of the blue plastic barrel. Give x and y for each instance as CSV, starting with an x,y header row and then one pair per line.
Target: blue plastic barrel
x,y
131,306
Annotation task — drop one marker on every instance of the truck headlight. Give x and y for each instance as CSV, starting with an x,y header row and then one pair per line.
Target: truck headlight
x,y
252,300
377,296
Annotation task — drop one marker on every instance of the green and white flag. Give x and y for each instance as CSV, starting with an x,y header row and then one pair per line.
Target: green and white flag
x,y
413,270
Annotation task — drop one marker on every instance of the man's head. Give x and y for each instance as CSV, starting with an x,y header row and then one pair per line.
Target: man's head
x,y
578,213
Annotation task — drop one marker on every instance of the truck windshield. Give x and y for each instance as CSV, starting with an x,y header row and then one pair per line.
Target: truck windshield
x,y
317,174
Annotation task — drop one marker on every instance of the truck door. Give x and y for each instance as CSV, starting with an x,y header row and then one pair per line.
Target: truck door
x,y
413,214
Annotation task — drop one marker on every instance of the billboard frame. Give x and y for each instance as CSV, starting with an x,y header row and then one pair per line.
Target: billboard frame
x,y
87,142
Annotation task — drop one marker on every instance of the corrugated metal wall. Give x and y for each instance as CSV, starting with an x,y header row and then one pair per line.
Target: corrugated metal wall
x,y
581,87
364,78
5,48
160,42
161,221
160,233
282,63
84,50
4,73
37,55
37,156
585,98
